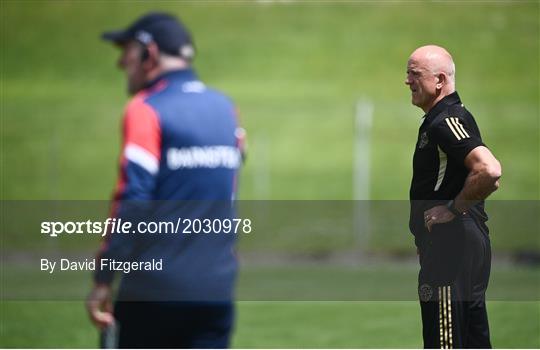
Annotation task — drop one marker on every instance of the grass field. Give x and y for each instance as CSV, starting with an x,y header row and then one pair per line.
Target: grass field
x,y
296,70
288,281
343,308
279,325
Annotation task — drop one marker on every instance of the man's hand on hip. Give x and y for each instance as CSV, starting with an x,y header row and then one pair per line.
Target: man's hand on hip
x,y
437,215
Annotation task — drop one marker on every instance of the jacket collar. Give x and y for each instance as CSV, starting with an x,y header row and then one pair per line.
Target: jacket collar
x,y
448,100
181,75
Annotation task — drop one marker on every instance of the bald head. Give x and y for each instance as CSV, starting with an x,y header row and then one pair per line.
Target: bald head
x,y
430,75
437,60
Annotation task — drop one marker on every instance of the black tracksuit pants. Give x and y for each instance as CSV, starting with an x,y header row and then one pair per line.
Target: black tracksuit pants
x,y
455,263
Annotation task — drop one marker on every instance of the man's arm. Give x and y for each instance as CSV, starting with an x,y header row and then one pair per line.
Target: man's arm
x,y
139,165
483,179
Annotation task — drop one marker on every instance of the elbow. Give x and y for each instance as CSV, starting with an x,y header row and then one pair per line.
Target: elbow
x,y
494,173
490,173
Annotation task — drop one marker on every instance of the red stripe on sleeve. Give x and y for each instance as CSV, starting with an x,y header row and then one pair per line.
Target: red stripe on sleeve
x,y
141,127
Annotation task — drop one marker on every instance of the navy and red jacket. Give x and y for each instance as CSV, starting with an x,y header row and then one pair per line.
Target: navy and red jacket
x,y
181,144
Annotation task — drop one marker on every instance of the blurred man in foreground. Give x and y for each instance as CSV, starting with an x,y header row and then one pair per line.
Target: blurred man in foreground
x,y
181,143
453,172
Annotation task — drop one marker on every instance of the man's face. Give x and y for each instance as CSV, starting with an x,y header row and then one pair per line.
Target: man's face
x,y
130,61
423,84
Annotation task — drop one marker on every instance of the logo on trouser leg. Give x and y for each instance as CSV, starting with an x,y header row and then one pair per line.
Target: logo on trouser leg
x,y
425,292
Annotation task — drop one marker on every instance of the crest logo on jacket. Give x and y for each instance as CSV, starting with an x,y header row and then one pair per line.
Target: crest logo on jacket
x,y
423,140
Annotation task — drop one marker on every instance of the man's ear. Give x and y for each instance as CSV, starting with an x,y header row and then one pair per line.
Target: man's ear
x,y
151,56
441,80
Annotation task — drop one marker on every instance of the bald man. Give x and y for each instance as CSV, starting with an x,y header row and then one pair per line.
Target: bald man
x,y
453,172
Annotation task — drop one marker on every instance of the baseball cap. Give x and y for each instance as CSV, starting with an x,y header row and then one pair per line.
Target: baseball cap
x,y
169,34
